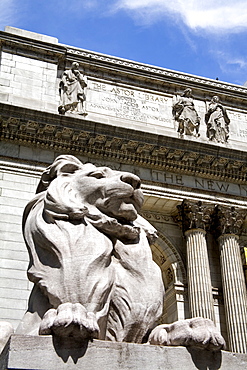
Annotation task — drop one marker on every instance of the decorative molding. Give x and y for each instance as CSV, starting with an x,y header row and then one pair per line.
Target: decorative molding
x,y
157,217
126,146
34,48
137,67
227,220
174,257
194,215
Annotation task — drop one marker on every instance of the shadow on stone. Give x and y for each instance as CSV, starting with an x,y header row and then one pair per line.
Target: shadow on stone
x,y
69,347
204,359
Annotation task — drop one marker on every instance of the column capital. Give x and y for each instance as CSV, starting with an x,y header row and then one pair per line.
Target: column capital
x,y
194,230
227,220
194,215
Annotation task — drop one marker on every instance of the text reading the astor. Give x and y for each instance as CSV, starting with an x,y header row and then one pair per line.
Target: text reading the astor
x,y
129,104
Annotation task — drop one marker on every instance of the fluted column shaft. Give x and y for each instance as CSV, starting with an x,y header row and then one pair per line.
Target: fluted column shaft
x,y
199,281
234,290
195,218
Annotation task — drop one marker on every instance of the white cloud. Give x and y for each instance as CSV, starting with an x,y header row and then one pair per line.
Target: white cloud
x,y
8,12
210,15
230,63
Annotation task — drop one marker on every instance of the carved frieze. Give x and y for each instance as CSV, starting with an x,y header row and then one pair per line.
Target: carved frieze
x,y
157,217
31,127
65,133
47,130
175,154
124,148
13,124
97,140
130,145
81,137
205,159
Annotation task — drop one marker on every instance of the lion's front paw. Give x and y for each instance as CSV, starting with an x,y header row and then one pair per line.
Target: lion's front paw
x,y
205,334
196,332
70,320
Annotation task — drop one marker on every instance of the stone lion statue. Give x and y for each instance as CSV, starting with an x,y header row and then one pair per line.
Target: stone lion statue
x,y
91,262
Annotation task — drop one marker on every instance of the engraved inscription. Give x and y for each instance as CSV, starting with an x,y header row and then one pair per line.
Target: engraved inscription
x,y
127,103
197,183
238,122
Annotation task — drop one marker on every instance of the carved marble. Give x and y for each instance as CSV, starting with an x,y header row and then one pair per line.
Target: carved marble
x,y
71,89
90,258
227,225
197,332
227,220
6,330
194,215
195,219
186,115
91,263
84,140
117,62
217,121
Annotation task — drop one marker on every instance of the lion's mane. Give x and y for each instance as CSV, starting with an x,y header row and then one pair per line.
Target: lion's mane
x,y
81,252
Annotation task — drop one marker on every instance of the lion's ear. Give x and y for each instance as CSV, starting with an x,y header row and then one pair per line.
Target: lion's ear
x,y
62,164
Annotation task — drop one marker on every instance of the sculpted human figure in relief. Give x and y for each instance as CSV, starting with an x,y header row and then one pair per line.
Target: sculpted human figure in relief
x,y
186,115
217,121
91,262
71,89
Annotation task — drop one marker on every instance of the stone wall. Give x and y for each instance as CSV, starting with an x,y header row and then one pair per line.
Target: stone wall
x,y
17,188
28,82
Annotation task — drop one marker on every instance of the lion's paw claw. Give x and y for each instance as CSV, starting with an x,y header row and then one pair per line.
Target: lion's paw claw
x,y
196,332
70,320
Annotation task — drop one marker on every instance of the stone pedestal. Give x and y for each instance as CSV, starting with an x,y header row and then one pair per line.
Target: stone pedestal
x,y
41,353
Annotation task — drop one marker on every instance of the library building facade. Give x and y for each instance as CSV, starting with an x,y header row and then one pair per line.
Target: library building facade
x,y
184,136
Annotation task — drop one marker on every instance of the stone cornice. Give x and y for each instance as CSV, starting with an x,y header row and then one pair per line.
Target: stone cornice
x,y
177,80
23,45
83,137
156,73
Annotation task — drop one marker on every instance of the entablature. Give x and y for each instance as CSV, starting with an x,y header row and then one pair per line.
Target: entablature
x,y
126,146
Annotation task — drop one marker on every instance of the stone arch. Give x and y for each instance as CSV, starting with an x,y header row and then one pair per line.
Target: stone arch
x,y
166,255
174,277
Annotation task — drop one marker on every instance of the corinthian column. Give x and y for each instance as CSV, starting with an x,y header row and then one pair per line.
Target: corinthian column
x,y
195,217
227,224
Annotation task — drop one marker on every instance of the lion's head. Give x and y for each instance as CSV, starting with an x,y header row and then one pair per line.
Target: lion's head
x,y
110,199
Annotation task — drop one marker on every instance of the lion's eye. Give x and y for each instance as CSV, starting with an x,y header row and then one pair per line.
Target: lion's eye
x,y
97,174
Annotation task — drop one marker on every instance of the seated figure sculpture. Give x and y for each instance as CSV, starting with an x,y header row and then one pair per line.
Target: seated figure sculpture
x,y
91,262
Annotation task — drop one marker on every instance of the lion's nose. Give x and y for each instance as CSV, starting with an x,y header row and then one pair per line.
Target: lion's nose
x,y
131,179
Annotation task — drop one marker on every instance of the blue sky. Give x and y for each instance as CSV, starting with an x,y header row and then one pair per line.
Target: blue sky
x,y
205,38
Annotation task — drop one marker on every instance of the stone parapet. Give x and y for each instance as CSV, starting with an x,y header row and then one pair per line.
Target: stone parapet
x,y
40,353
